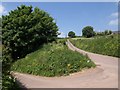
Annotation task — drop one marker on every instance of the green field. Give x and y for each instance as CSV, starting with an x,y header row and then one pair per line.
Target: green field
x,y
106,45
53,59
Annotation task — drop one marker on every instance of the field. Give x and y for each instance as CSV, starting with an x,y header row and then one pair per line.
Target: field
x,y
53,59
106,45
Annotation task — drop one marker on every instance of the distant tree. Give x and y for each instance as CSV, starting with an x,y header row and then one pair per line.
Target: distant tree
x,y
0,22
88,31
0,29
108,32
71,34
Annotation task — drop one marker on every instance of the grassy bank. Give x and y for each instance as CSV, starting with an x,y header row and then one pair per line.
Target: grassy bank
x,y
53,59
106,45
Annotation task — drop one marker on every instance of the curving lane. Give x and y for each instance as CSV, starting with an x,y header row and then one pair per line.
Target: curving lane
x,y
105,75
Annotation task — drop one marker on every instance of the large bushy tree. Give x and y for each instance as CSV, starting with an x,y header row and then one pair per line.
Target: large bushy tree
x,y
88,31
25,29
71,34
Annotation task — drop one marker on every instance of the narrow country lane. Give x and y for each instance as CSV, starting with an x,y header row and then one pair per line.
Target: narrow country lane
x,y
105,75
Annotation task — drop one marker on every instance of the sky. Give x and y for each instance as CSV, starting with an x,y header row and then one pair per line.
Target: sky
x,y
75,16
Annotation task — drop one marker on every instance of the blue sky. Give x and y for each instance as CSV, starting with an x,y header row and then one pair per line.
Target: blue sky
x,y
75,16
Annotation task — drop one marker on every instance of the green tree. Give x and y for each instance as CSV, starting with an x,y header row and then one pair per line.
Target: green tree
x,y
108,32
88,31
0,28
25,29
71,34
0,22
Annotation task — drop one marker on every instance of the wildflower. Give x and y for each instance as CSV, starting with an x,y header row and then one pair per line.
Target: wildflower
x,y
68,65
88,61
26,57
52,50
10,77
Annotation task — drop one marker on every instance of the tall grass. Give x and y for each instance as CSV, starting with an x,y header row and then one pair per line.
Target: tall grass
x,y
53,59
106,45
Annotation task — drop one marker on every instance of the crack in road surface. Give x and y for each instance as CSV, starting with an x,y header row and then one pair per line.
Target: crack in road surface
x,y
105,75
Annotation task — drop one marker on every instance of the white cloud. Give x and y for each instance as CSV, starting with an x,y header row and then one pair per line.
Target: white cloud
x,y
62,34
113,22
114,14
2,10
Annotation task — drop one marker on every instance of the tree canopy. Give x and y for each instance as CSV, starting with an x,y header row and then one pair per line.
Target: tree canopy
x,y
108,32
25,29
88,31
71,34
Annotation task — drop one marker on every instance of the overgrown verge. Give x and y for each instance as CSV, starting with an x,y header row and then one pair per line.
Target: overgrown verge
x,y
9,83
106,45
54,59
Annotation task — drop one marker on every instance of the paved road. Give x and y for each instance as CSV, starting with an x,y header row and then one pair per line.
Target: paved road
x,y
105,75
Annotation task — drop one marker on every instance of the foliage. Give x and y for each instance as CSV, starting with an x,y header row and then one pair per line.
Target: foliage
x,y
110,32
71,34
25,30
106,32
54,59
0,22
88,31
106,45
100,34
9,83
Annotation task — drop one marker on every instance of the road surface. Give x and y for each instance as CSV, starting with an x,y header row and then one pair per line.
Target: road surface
x,y
105,75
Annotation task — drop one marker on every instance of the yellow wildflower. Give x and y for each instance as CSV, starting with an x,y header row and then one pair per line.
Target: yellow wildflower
x,y
68,65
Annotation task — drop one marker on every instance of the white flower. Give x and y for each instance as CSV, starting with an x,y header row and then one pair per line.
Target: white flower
x,y
88,61
10,77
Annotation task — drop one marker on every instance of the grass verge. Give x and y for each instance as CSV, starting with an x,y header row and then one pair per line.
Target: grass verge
x,y
106,45
53,59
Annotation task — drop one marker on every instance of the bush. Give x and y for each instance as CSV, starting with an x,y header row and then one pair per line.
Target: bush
x,y
9,83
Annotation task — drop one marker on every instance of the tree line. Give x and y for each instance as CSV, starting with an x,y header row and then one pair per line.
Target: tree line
x,y
88,32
